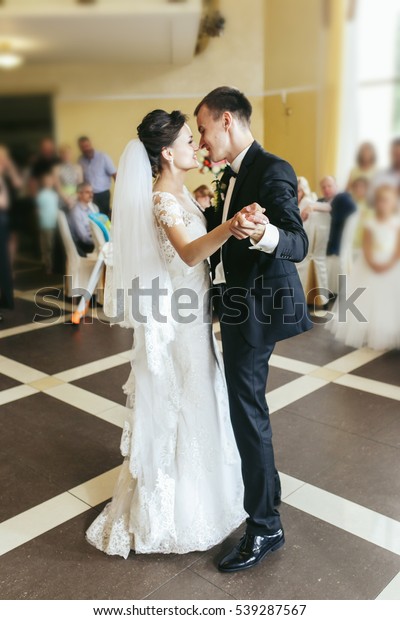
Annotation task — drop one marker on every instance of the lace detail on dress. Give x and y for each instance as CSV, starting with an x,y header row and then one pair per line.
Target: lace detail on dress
x,y
169,212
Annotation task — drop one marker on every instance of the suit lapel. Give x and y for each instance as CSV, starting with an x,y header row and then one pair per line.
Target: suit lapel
x,y
243,171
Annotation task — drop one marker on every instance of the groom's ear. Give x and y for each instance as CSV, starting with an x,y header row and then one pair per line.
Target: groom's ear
x,y
227,119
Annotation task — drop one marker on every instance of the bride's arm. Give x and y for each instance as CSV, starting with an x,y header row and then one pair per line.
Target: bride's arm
x,y
193,252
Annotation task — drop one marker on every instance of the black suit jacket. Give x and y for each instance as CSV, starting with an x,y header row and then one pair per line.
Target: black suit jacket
x,y
342,207
264,290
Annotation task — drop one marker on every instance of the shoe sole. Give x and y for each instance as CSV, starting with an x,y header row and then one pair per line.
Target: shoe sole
x,y
276,547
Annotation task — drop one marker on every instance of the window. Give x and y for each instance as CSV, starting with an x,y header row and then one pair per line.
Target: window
x,y
378,73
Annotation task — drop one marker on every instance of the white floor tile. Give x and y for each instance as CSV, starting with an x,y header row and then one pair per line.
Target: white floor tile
x,y
29,327
82,399
38,520
346,515
354,360
15,393
369,385
289,484
292,391
392,590
78,372
98,489
18,371
286,363
115,415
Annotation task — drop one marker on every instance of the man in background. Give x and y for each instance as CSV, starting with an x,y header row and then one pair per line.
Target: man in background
x,y
79,222
98,170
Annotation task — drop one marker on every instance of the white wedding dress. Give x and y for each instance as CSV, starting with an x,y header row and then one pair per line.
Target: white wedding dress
x,y
180,488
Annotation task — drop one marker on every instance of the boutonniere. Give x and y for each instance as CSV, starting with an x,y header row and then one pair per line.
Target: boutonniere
x,y
217,169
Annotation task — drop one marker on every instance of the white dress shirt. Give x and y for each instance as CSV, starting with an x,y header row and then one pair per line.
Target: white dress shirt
x,y
270,238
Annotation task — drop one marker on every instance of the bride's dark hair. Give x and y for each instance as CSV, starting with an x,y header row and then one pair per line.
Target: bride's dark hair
x,y
158,130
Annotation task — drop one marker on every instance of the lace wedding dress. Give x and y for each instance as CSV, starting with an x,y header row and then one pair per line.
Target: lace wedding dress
x,y
180,487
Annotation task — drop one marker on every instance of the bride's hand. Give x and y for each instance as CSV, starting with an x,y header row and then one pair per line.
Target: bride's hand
x,y
249,222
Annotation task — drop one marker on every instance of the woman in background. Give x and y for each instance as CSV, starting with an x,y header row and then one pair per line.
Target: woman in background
x,y
365,164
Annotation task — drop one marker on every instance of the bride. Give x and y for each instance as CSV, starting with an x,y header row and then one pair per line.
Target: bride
x,y
180,486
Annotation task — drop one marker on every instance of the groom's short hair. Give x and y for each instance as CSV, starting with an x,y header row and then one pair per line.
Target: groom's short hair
x,y
227,99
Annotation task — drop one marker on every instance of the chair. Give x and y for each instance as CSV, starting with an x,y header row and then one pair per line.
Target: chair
x,y
79,268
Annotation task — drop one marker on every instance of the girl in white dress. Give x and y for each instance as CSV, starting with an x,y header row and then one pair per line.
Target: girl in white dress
x,y
180,487
377,270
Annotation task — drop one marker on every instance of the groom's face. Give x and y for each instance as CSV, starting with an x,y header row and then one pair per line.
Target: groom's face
x,y
213,134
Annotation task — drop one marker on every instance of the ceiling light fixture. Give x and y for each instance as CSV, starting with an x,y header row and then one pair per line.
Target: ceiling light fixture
x,y
8,58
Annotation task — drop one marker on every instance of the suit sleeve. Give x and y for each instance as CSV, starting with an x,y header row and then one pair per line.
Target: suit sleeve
x,y
278,196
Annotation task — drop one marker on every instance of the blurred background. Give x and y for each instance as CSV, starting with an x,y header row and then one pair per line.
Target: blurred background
x,y
322,75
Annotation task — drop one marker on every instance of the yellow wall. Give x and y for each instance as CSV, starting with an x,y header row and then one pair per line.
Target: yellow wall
x,y
293,33
113,123
293,136
268,47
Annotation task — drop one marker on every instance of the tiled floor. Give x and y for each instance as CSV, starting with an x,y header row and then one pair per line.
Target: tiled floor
x,y
336,424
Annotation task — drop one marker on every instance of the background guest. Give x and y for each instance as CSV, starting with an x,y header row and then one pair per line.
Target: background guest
x,y
98,169
79,219
359,189
47,201
391,176
365,163
10,182
68,176
341,231
45,160
316,220
377,271
203,195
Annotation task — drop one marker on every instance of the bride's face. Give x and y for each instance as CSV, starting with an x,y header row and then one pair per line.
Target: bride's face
x,y
184,150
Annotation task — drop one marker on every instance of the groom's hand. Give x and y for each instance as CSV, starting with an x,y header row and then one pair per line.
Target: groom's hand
x,y
249,222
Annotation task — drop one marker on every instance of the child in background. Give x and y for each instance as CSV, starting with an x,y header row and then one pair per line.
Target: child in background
x,y
47,202
377,269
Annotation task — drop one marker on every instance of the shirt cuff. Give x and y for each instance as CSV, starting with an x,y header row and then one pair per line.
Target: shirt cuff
x,y
268,241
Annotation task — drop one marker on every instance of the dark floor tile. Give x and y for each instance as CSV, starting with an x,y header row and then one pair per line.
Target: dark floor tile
x,y
27,312
319,561
62,565
63,346
385,368
368,475
317,346
278,377
348,409
7,382
189,586
21,487
57,441
35,277
304,447
390,434
107,383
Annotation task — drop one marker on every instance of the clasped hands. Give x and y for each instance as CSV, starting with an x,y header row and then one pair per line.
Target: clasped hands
x,y
249,222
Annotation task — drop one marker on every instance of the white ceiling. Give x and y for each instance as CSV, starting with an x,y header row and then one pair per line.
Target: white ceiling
x,y
129,31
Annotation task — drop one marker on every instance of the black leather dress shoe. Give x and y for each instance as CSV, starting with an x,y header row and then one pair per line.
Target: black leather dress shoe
x,y
250,551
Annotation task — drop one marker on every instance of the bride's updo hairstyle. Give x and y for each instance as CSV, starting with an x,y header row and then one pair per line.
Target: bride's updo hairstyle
x,y
159,130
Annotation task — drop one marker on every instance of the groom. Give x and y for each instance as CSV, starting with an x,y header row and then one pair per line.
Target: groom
x,y
259,300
